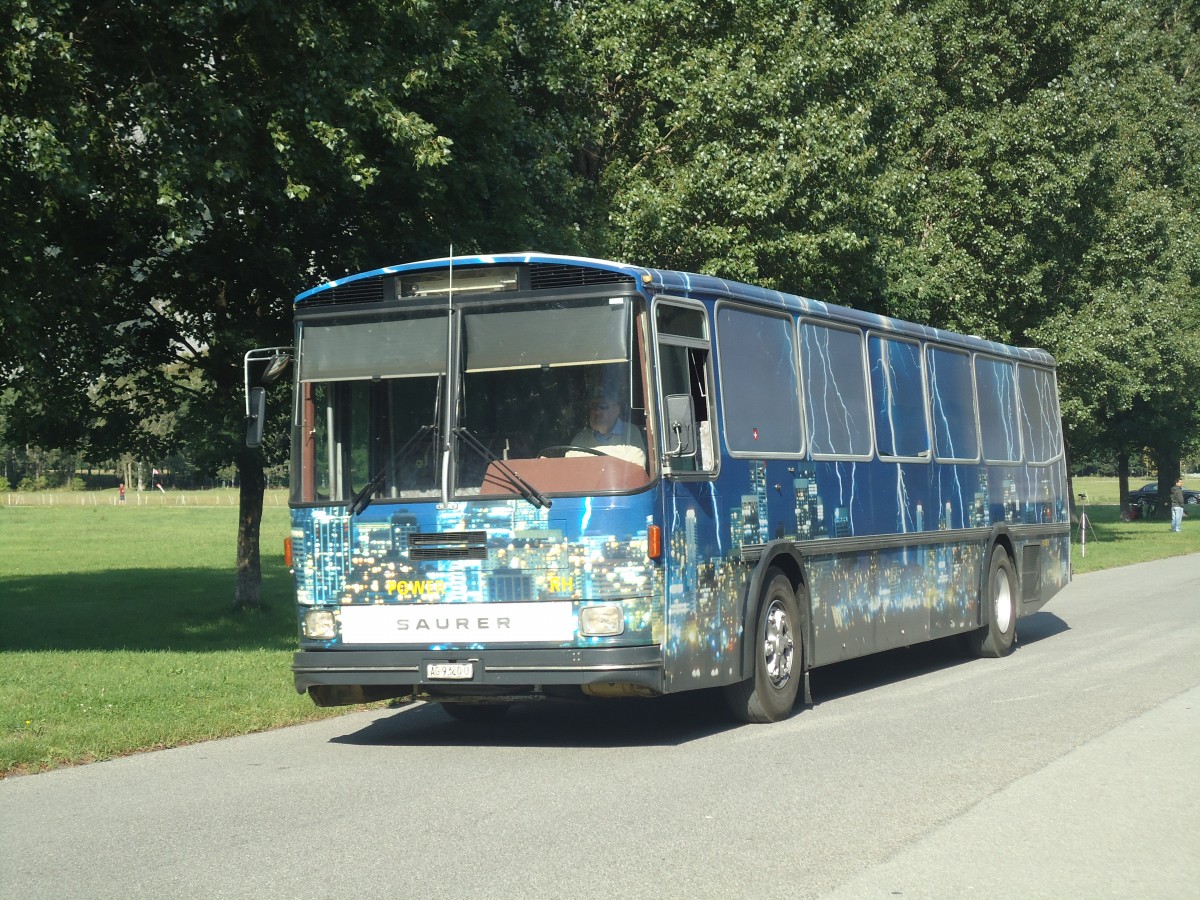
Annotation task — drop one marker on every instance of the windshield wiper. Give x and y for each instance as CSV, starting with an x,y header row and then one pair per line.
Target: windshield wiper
x,y
363,497
526,490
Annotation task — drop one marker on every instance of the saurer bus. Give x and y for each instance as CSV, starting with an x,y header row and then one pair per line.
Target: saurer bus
x,y
526,476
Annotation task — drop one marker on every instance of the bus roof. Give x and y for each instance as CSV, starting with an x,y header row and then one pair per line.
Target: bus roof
x,y
668,281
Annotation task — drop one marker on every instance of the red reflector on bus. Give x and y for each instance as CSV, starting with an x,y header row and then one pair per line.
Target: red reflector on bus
x,y
654,542
287,551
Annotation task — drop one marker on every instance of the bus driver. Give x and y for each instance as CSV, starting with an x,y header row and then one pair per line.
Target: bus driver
x,y
608,430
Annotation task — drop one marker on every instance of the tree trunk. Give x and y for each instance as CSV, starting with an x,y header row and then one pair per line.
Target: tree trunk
x,y
247,588
1123,479
1168,471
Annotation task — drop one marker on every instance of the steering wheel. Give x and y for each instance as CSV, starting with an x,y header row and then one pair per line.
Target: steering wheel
x,y
562,450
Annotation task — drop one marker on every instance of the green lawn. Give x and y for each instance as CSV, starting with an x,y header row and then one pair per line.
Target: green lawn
x,y
1111,542
119,634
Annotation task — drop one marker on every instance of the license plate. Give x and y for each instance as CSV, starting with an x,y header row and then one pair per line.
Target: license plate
x,y
458,671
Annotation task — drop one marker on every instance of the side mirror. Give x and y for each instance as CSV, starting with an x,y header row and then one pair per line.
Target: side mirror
x,y
277,359
275,367
256,417
681,425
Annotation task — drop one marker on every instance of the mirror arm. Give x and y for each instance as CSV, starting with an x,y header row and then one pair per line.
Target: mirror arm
x,y
677,431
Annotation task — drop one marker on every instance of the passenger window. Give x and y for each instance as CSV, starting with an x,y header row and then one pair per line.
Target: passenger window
x,y
996,390
952,405
898,398
1039,415
835,391
760,383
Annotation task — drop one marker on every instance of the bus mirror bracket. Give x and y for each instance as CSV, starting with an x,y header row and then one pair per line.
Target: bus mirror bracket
x,y
681,425
277,359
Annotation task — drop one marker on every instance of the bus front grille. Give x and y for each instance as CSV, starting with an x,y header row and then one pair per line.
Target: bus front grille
x,y
447,545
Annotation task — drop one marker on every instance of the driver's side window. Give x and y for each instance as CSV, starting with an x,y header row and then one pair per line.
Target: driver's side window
x,y
684,368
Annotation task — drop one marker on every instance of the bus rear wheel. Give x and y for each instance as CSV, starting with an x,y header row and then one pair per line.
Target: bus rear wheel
x,y
770,693
1000,597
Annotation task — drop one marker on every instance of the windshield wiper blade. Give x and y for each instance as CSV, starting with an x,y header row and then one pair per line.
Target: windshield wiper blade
x,y
362,499
527,490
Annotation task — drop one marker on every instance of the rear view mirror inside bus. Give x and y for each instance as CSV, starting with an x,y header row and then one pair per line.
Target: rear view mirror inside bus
x,y
254,421
681,426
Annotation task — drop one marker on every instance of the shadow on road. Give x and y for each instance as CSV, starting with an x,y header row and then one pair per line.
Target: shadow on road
x,y
866,673
1040,626
663,721
659,722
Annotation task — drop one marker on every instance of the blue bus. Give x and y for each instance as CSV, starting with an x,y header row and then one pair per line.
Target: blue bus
x,y
528,476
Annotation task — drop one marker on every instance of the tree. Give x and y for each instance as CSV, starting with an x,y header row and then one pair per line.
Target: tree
x,y
174,173
755,140
1025,172
1129,349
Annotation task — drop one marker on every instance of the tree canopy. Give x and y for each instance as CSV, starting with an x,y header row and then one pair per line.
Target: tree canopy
x,y
1023,171
174,173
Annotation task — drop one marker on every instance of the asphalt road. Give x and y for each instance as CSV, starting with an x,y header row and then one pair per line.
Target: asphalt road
x,y
1068,769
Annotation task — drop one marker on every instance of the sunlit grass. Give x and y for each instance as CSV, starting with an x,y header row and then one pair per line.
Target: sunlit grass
x,y
120,634
1111,542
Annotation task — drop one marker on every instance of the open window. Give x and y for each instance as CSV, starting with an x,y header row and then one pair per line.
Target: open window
x,y
685,386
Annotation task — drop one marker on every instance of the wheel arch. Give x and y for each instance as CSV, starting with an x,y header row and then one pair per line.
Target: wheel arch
x,y
784,556
999,537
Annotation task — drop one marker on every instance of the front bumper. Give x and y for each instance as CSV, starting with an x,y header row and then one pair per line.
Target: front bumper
x,y
493,668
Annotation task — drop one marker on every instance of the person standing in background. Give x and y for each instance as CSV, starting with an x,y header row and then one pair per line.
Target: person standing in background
x,y
1177,505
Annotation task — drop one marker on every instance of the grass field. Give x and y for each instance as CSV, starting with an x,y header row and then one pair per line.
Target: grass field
x,y
119,636
119,633
1111,542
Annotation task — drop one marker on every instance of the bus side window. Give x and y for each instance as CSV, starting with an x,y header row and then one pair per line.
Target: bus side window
x,y
684,368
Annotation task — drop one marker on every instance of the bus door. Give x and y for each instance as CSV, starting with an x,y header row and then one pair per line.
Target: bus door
x,y
700,631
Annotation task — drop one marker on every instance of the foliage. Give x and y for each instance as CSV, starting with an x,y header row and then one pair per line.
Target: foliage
x,y
173,173
1129,343
750,140
1025,172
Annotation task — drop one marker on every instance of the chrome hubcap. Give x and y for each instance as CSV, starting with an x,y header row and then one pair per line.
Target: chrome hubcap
x,y
778,645
1002,592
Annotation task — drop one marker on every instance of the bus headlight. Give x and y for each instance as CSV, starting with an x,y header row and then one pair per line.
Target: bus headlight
x,y
320,624
601,620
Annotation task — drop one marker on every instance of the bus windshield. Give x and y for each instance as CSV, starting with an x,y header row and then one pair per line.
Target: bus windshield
x,y
546,397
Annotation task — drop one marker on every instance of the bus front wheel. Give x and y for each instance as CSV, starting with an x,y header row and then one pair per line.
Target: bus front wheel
x,y
770,693
1000,594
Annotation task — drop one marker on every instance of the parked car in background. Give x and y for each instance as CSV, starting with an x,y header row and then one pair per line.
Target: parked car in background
x,y
1149,494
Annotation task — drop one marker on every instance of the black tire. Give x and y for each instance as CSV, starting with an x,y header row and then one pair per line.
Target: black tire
x,y
476,713
1000,600
770,693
